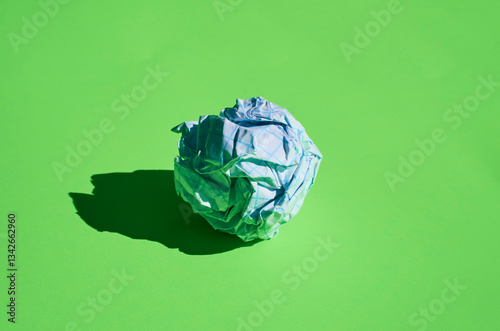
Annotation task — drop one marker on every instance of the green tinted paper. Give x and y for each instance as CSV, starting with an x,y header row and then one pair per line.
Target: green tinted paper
x,y
248,170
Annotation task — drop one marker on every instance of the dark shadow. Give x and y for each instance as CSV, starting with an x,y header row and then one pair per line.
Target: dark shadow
x,y
144,205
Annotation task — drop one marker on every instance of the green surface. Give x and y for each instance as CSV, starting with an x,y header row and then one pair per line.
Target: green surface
x,y
403,236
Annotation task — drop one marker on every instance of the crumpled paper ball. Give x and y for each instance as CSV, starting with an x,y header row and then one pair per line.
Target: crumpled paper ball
x,y
248,170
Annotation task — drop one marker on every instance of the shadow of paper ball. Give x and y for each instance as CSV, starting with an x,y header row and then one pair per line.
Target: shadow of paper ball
x,y
144,205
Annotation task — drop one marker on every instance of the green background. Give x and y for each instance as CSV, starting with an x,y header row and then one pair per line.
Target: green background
x,y
398,248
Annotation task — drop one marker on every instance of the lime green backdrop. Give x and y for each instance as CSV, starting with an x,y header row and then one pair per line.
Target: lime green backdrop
x,y
399,232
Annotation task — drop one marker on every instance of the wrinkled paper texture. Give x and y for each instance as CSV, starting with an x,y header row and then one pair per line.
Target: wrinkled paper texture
x,y
248,170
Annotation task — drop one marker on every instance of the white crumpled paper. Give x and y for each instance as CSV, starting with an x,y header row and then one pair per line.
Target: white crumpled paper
x,y
248,170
